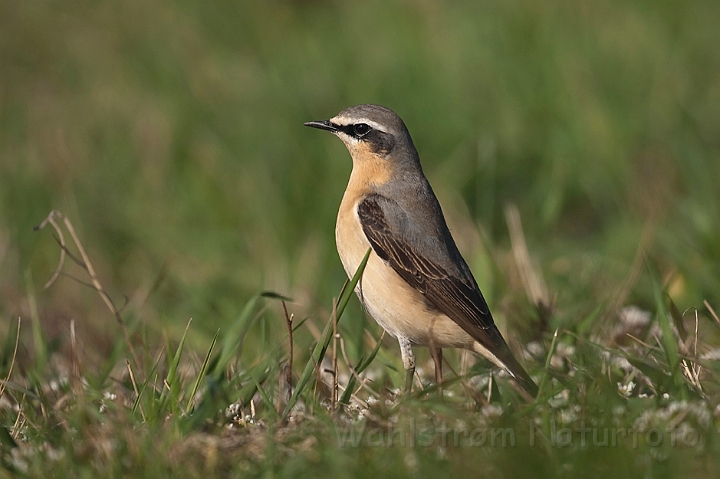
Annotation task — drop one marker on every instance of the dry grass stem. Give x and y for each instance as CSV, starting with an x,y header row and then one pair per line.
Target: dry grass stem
x,y
135,388
61,239
12,361
712,312
532,279
88,267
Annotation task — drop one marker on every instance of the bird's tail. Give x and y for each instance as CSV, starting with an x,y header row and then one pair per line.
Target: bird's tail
x,y
503,358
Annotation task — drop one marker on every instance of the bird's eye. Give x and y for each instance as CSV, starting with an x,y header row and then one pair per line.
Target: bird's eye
x,y
361,129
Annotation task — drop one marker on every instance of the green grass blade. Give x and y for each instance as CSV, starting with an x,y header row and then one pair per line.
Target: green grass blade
x,y
233,338
19,388
265,397
362,365
584,327
259,373
203,370
145,383
172,376
41,349
546,369
299,323
6,439
221,393
322,345
677,318
274,295
669,341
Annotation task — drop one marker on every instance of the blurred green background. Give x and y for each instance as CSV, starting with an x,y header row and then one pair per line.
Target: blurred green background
x,y
170,133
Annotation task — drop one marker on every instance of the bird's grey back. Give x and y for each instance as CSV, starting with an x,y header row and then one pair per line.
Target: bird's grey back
x,y
418,218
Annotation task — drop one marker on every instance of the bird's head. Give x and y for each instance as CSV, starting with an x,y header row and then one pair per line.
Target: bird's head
x,y
371,132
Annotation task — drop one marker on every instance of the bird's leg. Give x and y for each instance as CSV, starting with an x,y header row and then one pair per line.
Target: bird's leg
x,y
409,379
408,361
436,354
437,357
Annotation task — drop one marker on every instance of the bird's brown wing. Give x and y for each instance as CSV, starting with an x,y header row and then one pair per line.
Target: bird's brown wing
x,y
458,298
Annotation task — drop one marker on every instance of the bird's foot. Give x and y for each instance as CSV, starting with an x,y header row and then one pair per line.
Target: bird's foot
x,y
409,373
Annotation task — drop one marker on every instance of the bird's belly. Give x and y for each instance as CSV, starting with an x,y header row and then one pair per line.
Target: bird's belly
x,y
395,305
403,312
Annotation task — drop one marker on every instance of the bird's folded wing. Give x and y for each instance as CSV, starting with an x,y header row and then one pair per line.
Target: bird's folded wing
x,y
457,297
454,296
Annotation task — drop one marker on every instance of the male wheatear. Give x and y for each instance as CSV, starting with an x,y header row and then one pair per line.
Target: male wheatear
x,y
416,285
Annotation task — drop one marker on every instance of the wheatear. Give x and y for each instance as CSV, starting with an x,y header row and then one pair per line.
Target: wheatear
x,y
416,285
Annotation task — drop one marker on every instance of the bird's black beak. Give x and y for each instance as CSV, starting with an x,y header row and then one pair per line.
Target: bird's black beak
x,y
322,125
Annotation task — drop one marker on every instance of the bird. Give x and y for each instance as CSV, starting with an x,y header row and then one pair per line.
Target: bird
x,y
416,284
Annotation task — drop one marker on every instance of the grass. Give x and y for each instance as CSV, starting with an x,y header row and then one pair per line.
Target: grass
x,y
573,148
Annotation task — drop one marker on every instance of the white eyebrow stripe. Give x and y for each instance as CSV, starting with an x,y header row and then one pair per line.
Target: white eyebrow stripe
x,y
345,121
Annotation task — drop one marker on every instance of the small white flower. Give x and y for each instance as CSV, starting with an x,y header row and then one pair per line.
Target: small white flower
x,y
491,411
567,416
626,390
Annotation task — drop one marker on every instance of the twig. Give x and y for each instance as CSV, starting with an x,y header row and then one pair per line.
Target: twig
x,y
69,254
692,368
649,346
51,219
134,384
20,420
712,312
79,281
12,361
334,359
362,381
75,355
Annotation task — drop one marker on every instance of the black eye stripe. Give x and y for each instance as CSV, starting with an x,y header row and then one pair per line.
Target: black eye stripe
x,y
378,140
357,130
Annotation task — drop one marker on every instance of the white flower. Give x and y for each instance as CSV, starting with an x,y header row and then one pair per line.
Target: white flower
x,y
626,390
